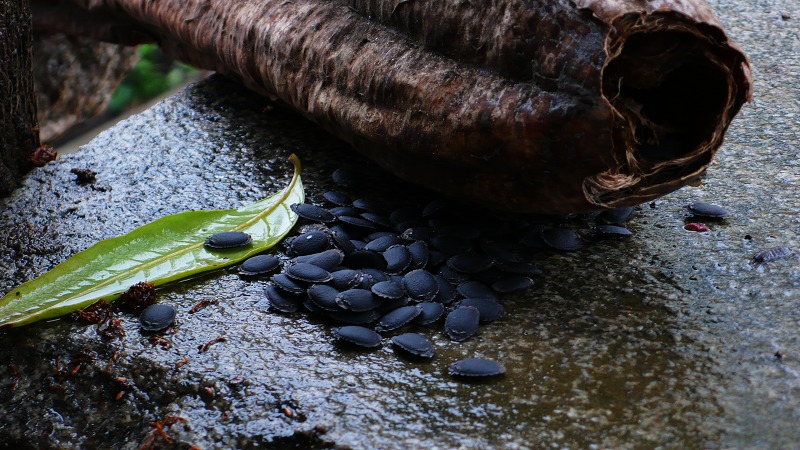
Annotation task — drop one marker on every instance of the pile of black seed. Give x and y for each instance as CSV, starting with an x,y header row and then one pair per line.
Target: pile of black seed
x,y
377,269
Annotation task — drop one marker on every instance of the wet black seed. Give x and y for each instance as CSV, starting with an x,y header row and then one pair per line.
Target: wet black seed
x,y
280,302
398,258
489,309
610,231
453,276
619,215
357,300
346,176
345,279
476,368
707,210
378,234
377,219
446,292
417,234
375,275
259,264
228,239
338,198
387,289
157,317
398,318
390,305
419,254
420,285
342,240
430,313
451,244
355,318
368,205
308,243
358,222
312,212
772,254
328,260
361,259
356,335
313,308
307,272
470,262
462,323
520,268
286,284
340,211
382,243
563,239
414,344
475,289
512,284
324,296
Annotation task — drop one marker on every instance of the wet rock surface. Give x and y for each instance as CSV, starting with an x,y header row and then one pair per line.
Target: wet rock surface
x,y
668,338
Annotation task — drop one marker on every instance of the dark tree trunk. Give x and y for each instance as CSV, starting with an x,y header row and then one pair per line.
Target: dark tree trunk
x,y
19,131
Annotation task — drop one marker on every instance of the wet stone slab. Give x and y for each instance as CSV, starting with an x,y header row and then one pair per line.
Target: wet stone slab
x,y
669,338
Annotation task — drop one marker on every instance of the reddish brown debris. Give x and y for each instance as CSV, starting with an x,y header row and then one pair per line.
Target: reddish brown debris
x,y
112,329
93,314
696,226
111,361
138,297
160,341
202,304
203,348
43,155
181,363
158,429
16,377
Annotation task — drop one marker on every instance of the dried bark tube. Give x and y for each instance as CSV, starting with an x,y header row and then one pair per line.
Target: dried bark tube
x,y
557,108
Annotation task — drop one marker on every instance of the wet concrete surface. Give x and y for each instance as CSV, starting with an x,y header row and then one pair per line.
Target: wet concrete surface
x,y
672,339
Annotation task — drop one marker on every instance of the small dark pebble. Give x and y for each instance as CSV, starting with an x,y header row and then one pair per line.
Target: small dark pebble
x,y
280,302
414,344
313,212
259,264
286,284
357,300
307,272
228,239
462,323
512,284
387,289
430,313
398,318
489,308
419,284
338,198
707,210
358,336
772,254
157,317
564,239
476,368
615,216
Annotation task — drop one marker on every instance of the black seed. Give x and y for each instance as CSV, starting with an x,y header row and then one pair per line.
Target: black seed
x,y
431,312
475,289
368,205
562,239
420,285
357,300
340,211
390,305
619,215
359,336
436,258
377,219
338,198
407,214
157,317
307,272
476,368
345,279
312,212
450,244
512,284
707,210
285,283
470,262
259,264
446,292
398,318
414,344
382,243
398,258
342,240
280,302
372,277
489,308
358,222
520,268
311,307
355,318
502,253
378,234
324,296
462,323
346,176
772,254
419,254
361,259
489,276
433,207
228,239
308,243
387,289
452,276
328,260
610,231
418,234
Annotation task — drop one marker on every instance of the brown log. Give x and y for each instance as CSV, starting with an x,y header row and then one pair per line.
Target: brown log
x,y
543,106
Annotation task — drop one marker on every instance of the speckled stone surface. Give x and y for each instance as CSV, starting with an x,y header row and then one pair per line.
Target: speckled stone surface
x,y
670,339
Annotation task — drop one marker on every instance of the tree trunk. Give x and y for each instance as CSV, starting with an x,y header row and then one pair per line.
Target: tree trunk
x,y
19,131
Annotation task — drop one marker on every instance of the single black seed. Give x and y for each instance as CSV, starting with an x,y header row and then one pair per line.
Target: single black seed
x,y
564,239
436,258
357,300
345,279
308,243
488,277
280,302
610,231
476,368
414,344
377,219
772,254
501,252
311,307
420,285
470,262
382,243
307,272
328,260
489,308
378,234
312,212
361,259
431,312
619,215
398,318
707,210
407,214
355,318
520,268
286,284
446,292
368,205
398,258
419,254
157,317
387,289
374,276
259,264
418,234
358,222
390,305
228,239
346,176
359,336
475,289
462,323
512,284
342,240
453,276
324,296
340,211
338,198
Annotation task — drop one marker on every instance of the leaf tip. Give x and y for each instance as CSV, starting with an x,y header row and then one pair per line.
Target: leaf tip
x,y
296,162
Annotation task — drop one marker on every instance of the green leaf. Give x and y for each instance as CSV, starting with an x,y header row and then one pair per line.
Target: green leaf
x,y
169,249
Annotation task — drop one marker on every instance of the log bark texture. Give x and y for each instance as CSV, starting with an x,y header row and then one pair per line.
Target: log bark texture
x,y
19,132
536,106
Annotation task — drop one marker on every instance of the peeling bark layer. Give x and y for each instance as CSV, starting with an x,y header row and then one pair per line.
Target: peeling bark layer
x,y
537,106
